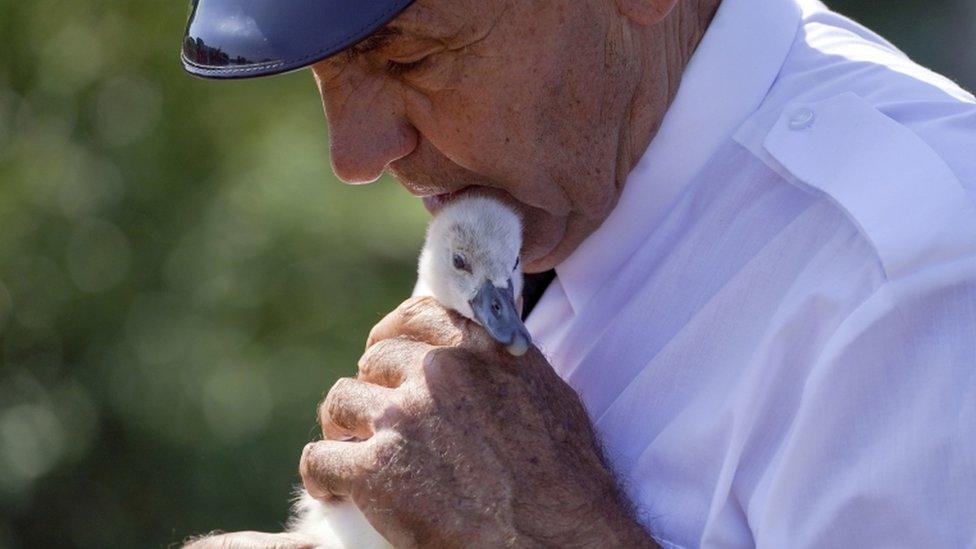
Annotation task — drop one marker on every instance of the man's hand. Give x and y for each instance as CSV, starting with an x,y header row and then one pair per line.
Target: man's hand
x,y
446,440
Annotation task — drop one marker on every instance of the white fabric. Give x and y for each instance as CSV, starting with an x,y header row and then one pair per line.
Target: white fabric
x,y
775,331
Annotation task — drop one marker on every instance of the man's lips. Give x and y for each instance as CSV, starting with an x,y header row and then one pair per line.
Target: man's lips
x,y
435,202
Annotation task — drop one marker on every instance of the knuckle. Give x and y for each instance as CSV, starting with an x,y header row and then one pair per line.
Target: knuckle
x,y
394,322
416,305
318,472
341,386
389,350
305,465
375,333
323,412
392,361
333,402
436,364
420,312
474,336
389,417
444,368
374,357
387,450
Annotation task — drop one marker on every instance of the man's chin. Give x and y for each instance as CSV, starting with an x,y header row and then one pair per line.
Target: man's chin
x,y
545,244
542,262
561,237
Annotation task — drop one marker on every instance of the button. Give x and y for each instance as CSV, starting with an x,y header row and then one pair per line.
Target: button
x,y
802,119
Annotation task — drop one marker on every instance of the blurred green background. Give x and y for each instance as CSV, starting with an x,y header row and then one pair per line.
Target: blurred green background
x,y
182,277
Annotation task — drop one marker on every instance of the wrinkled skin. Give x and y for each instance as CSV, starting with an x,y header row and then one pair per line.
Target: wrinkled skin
x,y
446,460
546,105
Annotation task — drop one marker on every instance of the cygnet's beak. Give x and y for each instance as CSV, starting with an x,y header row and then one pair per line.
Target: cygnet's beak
x,y
494,308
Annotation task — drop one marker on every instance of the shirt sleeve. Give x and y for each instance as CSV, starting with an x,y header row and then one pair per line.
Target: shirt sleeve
x,y
882,449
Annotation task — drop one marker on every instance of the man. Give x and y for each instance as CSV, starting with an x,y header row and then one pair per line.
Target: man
x,y
761,219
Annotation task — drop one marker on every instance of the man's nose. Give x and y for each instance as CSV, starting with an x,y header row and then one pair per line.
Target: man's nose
x,y
363,147
367,128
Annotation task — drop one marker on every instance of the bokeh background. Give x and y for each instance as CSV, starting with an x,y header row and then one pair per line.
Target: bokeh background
x,y
182,277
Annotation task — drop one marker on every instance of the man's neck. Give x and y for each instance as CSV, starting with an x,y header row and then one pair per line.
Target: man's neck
x,y
664,51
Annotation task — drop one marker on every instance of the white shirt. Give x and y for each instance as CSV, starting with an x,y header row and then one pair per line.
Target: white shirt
x,y
775,330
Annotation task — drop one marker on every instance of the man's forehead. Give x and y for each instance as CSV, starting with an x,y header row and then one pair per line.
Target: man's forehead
x,y
444,19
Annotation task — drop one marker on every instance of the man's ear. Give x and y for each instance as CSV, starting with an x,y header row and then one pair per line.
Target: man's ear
x,y
646,12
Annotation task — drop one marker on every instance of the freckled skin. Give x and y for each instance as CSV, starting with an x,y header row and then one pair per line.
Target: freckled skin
x,y
549,103
448,462
546,105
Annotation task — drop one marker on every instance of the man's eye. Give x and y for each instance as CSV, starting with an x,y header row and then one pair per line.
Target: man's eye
x,y
396,68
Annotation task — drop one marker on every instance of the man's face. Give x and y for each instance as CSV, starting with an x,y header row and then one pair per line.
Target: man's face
x,y
521,100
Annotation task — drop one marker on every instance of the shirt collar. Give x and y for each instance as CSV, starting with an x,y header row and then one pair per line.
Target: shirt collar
x,y
727,79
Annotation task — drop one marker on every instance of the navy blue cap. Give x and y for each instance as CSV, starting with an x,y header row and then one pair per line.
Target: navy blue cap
x,y
249,38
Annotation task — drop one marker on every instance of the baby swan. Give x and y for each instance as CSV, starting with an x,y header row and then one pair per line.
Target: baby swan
x,y
470,263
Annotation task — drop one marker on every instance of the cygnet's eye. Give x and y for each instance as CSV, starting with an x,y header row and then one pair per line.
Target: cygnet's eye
x,y
461,264
516,263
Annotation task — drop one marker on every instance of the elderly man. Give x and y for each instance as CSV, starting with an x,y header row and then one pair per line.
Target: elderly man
x,y
761,220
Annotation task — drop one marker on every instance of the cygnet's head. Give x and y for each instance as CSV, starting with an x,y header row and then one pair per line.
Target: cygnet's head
x,y
470,263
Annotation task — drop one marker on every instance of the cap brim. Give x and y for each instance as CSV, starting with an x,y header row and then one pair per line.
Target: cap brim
x,y
249,38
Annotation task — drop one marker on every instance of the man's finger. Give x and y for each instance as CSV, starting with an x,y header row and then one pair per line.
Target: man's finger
x,y
389,362
352,408
420,319
332,468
